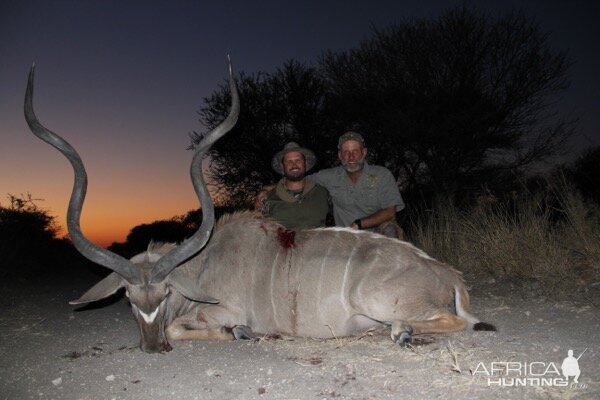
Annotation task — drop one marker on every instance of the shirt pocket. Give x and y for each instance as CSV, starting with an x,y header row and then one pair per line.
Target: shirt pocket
x,y
369,199
339,195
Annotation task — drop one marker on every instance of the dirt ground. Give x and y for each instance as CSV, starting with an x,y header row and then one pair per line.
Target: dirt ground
x,y
51,351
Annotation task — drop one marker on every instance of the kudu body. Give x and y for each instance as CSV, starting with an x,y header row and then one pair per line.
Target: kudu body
x,y
256,276
326,282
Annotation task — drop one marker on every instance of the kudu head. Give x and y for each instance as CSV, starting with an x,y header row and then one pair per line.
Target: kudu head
x,y
146,278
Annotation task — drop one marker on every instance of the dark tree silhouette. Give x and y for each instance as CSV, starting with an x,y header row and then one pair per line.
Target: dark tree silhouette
x,y
447,104
275,109
174,230
23,220
29,246
170,231
451,103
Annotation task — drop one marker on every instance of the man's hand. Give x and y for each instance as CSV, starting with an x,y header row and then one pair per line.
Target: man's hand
x,y
376,219
260,202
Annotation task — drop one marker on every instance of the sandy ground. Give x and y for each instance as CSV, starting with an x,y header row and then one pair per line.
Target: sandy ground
x,y
50,351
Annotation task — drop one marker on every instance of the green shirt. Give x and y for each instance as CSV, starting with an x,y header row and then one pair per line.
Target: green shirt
x,y
305,210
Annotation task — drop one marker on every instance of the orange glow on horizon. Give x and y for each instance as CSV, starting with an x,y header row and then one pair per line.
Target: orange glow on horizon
x,y
105,224
109,218
122,193
104,230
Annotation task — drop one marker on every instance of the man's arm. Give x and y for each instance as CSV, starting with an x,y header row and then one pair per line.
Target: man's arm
x,y
376,219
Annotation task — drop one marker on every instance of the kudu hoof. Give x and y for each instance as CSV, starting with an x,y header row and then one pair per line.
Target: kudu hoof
x,y
243,332
165,347
404,338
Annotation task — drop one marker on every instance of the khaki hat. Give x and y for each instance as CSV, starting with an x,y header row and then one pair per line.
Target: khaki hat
x,y
350,136
309,157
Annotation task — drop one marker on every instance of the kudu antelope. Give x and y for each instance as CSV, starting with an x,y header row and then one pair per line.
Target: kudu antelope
x,y
256,276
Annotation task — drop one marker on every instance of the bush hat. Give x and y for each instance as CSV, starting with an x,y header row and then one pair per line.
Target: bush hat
x,y
350,136
309,157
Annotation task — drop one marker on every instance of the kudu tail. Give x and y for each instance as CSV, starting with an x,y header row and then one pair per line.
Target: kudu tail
x,y
463,305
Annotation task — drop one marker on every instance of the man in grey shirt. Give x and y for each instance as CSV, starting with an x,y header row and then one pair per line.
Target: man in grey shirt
x,y
364,196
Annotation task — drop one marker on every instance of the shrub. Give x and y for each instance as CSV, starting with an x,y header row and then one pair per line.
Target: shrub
x,y
26,232
551,236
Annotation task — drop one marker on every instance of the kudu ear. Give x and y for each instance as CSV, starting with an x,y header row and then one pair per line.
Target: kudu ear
x,y
102,289
190,291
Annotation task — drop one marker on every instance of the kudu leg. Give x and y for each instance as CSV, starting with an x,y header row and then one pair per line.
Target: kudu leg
x,y
402,331
181,332
210,323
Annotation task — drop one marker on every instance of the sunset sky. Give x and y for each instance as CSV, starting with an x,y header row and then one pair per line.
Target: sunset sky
x,y
122,81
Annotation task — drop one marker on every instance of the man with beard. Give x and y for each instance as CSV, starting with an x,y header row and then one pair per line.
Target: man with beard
x,y
364,196
295,202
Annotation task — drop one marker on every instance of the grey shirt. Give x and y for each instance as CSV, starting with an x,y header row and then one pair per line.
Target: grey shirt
x,y
375,189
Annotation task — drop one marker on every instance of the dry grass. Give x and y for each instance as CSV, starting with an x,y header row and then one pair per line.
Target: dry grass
x,y
552,237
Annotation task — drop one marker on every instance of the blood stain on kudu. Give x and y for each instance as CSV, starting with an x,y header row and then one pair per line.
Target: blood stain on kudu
x,y
286,237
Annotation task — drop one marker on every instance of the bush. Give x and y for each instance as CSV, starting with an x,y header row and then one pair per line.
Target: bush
x,y
551,236
30,248
173,230
26,232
